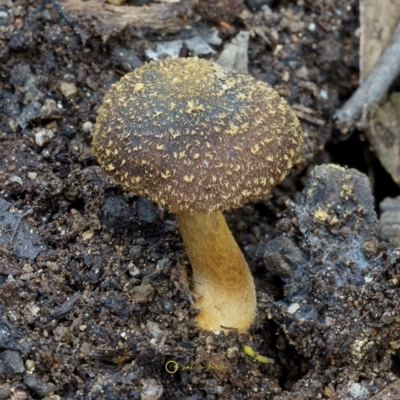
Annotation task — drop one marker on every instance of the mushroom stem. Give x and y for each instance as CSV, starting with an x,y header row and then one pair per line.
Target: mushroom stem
x,y
222,280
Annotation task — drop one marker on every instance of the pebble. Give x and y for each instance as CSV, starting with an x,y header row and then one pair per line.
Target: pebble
x,y
5,391
87,127
143,293
324,94
20,74
19,394
234,55
293,308
296,26
311,26
27,277
68,88
11,363
29,113
198,46
133,270
266,10
154,330
30,365
125,59
213,38
232,352
62,334
302,72
358,391
39,386
48,108
146,210
151,390
43,137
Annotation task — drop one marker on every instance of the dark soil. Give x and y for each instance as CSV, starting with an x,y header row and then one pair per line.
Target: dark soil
x,y
95,298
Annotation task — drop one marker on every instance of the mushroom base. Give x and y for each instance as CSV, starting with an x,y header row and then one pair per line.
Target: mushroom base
x,y
223,284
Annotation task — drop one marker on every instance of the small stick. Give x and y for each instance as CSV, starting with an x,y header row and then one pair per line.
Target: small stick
x,y
373,87
25,214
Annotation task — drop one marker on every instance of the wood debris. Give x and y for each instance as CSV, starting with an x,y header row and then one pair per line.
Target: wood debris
x,y
109,19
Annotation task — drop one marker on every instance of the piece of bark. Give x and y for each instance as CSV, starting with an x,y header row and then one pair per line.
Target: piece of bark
x,y
109,19
378,20
381,126
390,219
390,392
378,69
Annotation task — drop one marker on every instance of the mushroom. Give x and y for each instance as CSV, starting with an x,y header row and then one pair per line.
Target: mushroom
x,y
198,138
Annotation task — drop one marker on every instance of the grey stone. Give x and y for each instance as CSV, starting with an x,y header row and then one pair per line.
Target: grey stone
x,y
39,386
11,363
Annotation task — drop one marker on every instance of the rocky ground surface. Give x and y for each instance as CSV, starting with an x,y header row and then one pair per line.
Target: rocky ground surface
x,y
95,298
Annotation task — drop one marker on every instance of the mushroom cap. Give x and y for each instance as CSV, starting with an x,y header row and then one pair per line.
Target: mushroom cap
x,y
192,135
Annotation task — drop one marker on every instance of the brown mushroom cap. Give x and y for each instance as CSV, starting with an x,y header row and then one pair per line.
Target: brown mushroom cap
x,y
192,135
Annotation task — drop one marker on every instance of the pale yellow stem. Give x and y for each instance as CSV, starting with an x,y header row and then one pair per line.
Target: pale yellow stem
x,y
222,280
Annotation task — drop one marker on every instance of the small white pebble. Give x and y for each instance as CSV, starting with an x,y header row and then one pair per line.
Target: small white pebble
x,y
311,26
30,365
87,235
68,88
302,72
357,391
44,136
48,107
231,351
286,76
32,175
293,308
151,390
34,309
133,270
324,94
266,10
87,127
329,321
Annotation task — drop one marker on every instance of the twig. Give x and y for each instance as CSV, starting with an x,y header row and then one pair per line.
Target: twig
x,y
373,87
309,118
25,214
